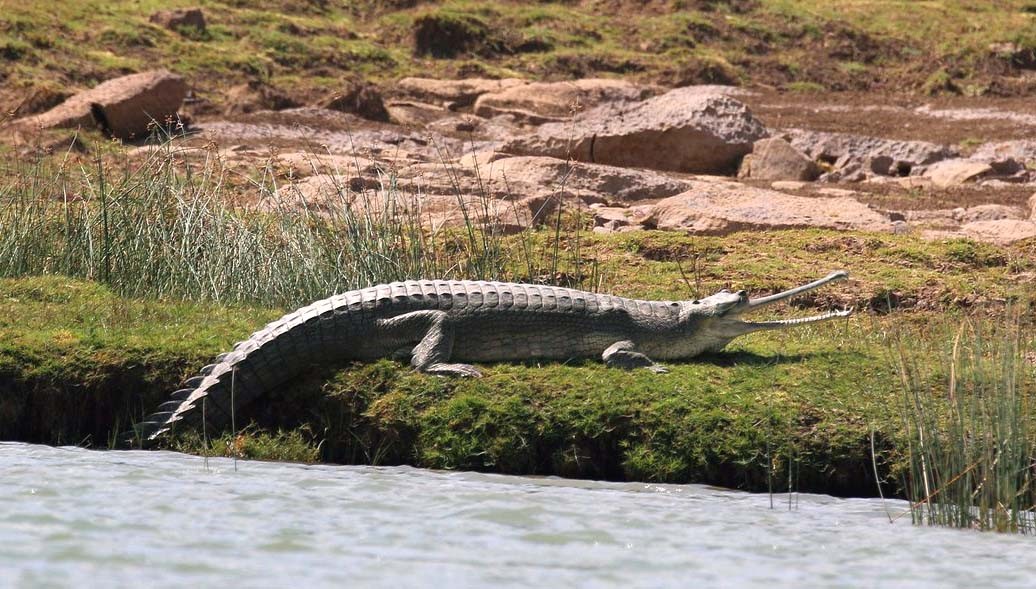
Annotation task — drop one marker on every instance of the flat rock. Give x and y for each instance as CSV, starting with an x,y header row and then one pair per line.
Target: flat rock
x,y
509,194
414,114
123,107
468,126
590,181
322,131
717,207
989,212
508,177
480,159
839,192
857,153
910,182
304,164
955,172
540,102
941,218
1023,150
773,158
791,185
362,196
454,93
617,219
322,192
684,130
1001,232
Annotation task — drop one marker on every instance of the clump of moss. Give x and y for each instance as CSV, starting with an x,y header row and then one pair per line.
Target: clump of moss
x,y
974,254
447,34
940,82
298,445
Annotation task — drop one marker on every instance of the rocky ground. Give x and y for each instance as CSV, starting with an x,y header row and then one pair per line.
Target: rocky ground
x,y
698,159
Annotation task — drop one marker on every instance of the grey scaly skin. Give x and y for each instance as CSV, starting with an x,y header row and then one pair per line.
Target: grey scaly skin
x,y
438,324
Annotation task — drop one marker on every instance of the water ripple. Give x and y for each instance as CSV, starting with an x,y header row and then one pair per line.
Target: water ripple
x,y
160,518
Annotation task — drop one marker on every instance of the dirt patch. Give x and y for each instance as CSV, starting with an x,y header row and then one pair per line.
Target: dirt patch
x,y
955,120
893,197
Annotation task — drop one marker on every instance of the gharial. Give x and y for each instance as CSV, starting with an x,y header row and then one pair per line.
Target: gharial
x,y
438,323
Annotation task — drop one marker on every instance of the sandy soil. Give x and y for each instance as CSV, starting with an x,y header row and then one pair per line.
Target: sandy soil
x,y
949,120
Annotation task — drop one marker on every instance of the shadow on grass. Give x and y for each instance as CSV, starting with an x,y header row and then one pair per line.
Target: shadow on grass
x,y
741,358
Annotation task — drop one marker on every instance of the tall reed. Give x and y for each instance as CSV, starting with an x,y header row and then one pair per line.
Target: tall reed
x,y
162,224
968,415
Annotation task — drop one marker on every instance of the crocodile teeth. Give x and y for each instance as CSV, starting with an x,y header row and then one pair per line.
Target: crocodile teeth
x,y
800,320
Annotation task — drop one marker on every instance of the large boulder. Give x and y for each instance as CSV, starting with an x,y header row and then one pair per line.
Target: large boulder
x,y
684,130
127,107
124,107
774,158
544,101
452,93
719,207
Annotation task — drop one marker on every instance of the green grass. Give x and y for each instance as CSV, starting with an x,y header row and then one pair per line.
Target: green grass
x,y
164,225
77,363
167,226
296,445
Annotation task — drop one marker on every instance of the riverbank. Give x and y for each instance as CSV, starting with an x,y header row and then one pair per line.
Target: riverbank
x,y
296,155
79,364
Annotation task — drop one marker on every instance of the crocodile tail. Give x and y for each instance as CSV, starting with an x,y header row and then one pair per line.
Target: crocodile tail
x,y
268,358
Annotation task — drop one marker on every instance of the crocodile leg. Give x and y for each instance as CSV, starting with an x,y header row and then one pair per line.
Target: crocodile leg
x,y
621,354
432,353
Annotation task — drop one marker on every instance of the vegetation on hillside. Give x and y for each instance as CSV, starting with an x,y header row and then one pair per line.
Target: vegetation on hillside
x,y
307,48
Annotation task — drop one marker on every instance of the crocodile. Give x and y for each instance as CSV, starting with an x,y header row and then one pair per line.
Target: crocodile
x,y
439,324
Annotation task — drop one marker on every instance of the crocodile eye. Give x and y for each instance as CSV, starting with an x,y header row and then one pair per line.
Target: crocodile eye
x,y
695,302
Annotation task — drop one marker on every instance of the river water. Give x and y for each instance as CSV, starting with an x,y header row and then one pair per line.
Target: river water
x,y
74,517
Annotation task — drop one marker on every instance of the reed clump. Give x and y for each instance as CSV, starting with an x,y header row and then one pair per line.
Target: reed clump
x,y
968,414
173,223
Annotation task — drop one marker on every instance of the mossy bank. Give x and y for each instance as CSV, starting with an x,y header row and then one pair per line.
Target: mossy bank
x,y
79,364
